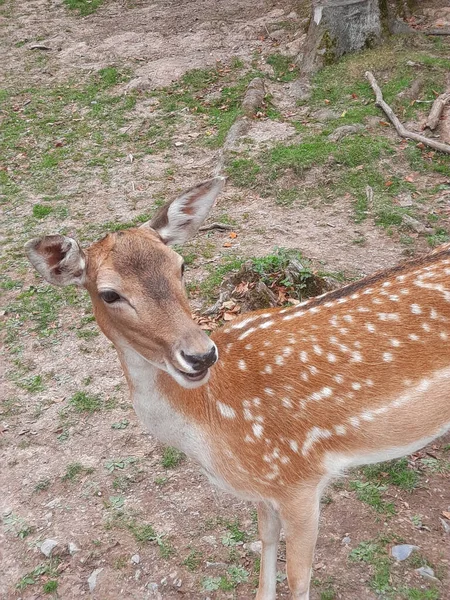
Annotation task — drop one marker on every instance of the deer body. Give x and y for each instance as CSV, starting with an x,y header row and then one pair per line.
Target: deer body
x,y
297,395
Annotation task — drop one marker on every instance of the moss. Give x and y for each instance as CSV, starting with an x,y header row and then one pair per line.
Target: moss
x,y
327,48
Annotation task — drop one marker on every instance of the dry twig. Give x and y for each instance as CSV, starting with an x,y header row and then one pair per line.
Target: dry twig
x,y
411,135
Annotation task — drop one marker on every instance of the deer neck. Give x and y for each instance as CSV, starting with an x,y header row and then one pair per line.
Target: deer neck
x,y
164,408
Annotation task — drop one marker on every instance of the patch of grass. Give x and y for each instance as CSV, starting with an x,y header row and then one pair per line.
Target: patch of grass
x,y
419,594
47,569
84,402
42,485
375,554
371,494
75,470
123,424
171,457
83,7
50,587
119,463
234,534
286,197
235,575
435,465
193,560
40,211
243,172
395,473
32,384
15,524
284,67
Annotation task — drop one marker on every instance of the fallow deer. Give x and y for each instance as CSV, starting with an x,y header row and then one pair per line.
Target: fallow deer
x,y
279,401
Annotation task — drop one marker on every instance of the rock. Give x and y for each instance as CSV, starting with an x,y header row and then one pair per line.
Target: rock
x,y
343,131
405,200
209,539
92,579
403,551
325,114
413,223
47,547
255,547
138,574
428,573
136,559
346,540
300,89
445,525
73,548
277,35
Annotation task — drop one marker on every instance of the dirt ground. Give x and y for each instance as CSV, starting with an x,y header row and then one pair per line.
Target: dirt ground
x,y
202,544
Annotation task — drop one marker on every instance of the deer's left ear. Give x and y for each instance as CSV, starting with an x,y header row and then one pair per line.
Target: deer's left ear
x,y
59,259
181,218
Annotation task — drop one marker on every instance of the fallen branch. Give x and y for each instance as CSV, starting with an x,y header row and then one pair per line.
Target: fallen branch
x,y
436,110
411,135
216,226
253,99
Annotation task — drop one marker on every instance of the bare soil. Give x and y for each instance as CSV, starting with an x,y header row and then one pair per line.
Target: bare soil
x,y
40,432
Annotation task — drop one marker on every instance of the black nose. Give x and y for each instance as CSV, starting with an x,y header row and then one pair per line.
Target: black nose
x,y
200,362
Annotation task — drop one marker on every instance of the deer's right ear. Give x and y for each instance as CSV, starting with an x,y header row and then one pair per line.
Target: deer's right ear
x,y
59,259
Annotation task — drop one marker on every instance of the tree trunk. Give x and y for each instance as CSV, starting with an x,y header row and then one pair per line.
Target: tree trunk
x,y
338,27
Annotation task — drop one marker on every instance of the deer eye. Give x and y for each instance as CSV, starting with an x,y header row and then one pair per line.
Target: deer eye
x,y
109,296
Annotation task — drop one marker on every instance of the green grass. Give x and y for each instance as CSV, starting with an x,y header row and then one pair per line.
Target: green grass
x,y
171,457
50,587
243,172
87,403
371,494
40,211
42,485
75,470
193,560
83,7
284,67
395,473
48,569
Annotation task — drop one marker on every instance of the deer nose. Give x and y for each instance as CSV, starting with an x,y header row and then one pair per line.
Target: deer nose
x,y
200,362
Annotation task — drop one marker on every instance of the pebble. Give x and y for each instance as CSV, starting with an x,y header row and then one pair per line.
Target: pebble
x,y
255,547
427,573
445,525
73,548
47,547
92,579
209,539
346,540
403,551
136,559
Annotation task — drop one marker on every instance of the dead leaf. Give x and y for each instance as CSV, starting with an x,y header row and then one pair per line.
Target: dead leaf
x,y
388,183
446,514
384,123
227,245
233,235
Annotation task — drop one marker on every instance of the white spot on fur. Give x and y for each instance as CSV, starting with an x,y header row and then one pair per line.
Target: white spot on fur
x,y
242,365
413,337
269,391
331,357
304,356
226,411
266,324
370,327
279,360
246,333
314,435
356,357
286,402
387,357
415,309
340,429
294,446
395,342
338,379
356,385
354,422
257,430
317,349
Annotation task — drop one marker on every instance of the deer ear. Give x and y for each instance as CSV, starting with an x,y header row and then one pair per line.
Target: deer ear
x,y
181,218
59,259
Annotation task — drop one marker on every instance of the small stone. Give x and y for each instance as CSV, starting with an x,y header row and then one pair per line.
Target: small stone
x,y
47,547
255,547
346,540
403,551
416,225
325,114
445,525
73,548
136,559
209,539
428,573
92,579
178,144
344,131
137,574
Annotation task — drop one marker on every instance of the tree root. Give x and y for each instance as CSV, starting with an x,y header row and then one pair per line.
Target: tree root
x,y
411,135
436,110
